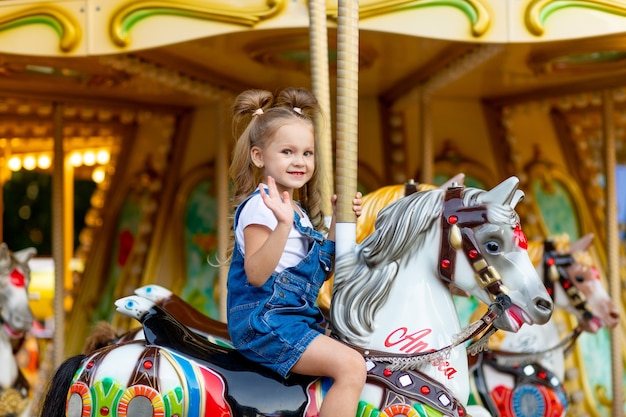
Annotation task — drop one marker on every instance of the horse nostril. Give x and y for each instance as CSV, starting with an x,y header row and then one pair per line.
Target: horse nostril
x,y
544,304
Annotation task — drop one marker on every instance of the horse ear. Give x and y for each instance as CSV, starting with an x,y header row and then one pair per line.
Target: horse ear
x,y
581,244
24,255
457,180
503,193
4,252
519,196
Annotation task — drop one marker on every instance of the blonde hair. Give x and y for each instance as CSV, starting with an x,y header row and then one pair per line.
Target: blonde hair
x,y
257,116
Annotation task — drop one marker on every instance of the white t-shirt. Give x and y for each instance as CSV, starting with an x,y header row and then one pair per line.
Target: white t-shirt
x,y
256,212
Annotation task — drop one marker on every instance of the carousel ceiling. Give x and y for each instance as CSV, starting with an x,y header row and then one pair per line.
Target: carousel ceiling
x,y
99,89
193,73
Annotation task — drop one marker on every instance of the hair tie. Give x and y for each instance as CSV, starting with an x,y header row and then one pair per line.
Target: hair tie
x,y
298,110
257,112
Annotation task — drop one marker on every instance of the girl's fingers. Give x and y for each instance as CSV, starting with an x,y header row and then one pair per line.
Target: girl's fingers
x,y
271,185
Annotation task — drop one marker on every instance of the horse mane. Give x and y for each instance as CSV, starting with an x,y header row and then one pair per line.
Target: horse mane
x,y
562,244
367,273
377,200
373,203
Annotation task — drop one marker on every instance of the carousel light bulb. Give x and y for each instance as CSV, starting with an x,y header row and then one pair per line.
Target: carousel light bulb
x,y
103,157
98,175
44,161
89,158
76,159
15,163
29,163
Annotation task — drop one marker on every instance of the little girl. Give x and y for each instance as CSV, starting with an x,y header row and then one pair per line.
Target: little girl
x,y
280,257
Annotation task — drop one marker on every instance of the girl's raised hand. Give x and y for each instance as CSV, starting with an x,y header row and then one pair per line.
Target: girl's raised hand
x,y
279,204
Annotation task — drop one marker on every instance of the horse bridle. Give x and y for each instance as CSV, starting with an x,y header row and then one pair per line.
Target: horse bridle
x,y
554,265
458,223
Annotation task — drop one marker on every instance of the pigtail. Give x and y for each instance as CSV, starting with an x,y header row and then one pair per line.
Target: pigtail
x,y
247,108
302,102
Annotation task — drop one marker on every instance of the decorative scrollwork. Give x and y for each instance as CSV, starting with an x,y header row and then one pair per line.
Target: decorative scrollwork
x,y
538,11
60,20
477,12
134,11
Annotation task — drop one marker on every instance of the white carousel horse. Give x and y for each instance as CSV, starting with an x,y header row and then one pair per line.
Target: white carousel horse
x,y
521,374
392,304
16,319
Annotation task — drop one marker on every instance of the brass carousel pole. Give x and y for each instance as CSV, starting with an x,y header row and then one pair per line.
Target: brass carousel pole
x,y
347,121
62,232
223,209
612,242
321,88
426,138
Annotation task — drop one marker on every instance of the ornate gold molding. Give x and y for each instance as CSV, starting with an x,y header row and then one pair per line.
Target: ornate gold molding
x,y
134,11
538,11
476,11
60,20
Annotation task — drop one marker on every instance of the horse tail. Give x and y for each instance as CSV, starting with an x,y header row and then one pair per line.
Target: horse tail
x,y
58,387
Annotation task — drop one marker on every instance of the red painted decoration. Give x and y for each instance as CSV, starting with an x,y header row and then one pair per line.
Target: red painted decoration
x,y
425,390
90,364
550,261
17,278
387,372
147,364
104,411
445,263
453,219
473,253
520,237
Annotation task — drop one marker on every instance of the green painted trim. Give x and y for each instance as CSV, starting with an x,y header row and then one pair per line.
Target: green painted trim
x,y
477,13
558,5
32,20
128,16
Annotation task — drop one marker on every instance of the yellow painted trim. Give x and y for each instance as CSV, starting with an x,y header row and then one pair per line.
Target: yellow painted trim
x,y
60,20
476,10
134,11
537,11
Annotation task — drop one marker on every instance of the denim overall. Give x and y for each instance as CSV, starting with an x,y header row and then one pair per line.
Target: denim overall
x,y
273,324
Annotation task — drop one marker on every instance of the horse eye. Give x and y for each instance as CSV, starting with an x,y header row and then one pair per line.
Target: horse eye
x,y
580,278
130,304
492,247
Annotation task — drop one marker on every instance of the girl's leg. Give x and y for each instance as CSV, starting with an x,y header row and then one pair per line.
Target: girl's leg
x,y
328,357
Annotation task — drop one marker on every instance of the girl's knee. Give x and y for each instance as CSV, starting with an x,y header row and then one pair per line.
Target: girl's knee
x,y
353,368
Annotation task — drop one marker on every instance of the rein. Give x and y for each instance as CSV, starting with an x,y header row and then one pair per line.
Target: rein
x,y
522,358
